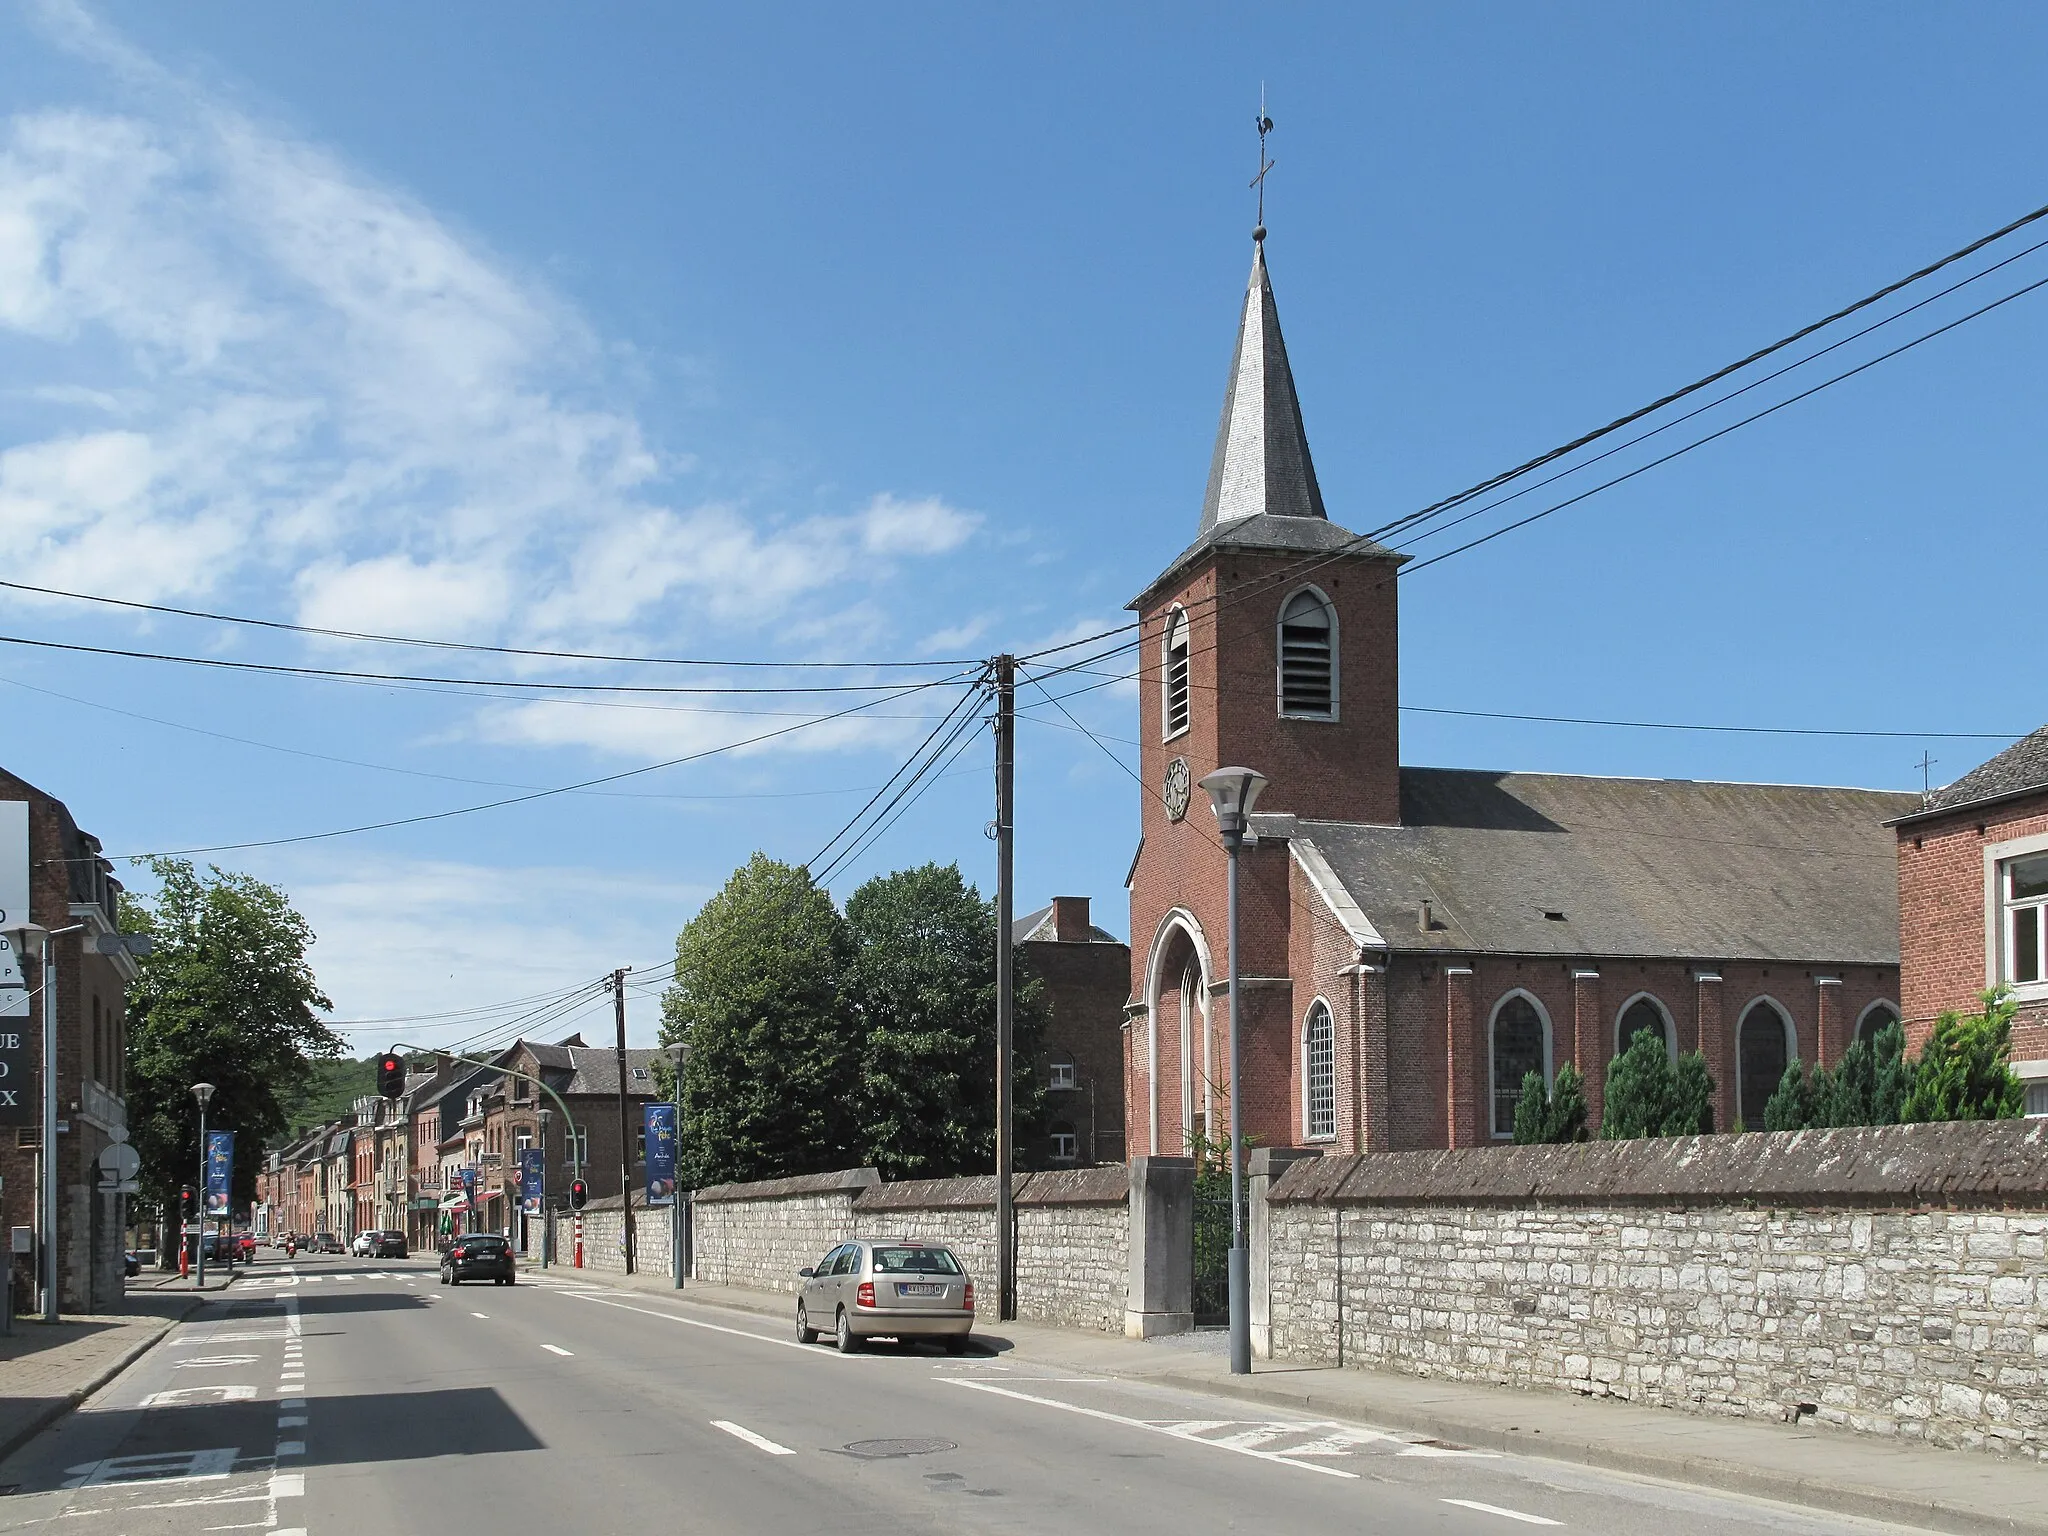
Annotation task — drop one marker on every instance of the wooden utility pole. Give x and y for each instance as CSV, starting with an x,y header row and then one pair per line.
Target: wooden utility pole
x,y
1006,981
625,1144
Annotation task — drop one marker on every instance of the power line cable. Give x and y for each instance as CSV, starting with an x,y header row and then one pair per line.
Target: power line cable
x,y
449,645
912,792
855,820
908,788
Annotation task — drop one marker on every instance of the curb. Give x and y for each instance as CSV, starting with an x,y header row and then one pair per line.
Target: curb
x,y
1816,1494
106,1371
1699,1472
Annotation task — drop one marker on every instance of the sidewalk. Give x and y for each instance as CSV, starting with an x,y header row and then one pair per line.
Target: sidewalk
x,y
47,1369
1823,1469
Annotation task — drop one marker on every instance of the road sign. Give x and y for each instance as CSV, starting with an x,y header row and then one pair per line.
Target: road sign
x,y
120,1162
122,1187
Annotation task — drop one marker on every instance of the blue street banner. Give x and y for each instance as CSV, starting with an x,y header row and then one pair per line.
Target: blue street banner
x,y
532,1178
661,1153
220,1171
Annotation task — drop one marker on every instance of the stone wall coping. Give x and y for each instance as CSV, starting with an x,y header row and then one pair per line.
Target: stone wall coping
x,y
1062,1186
790,1188
1951,1164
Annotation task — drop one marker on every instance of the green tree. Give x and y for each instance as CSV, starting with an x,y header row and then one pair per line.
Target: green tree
x,y
227,996
1692,1098
775,1053
1894,1075
1790,1108
922,984
1964,1071
1556,1116
1650,1095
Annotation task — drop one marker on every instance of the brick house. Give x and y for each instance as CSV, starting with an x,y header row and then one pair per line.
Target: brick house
x,y
70,886
1973,902
1086,973
1416,940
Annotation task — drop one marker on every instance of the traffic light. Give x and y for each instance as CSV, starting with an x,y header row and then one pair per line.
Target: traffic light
x,y
391,1075
579,1192
184,1205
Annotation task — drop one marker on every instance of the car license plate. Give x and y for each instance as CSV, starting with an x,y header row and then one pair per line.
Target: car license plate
x,y
916,1288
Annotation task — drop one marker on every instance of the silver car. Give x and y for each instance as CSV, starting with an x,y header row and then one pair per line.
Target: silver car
x,y
899,1289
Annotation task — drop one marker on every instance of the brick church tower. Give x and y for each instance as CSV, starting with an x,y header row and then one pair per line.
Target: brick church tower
x,y
1269,642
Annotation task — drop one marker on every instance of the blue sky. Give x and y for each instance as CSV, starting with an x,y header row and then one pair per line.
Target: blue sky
x,y
810,333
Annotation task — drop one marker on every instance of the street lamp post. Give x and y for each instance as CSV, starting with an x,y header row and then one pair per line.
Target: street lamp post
x,y
547,1220
203,1092
1232,794
678,1212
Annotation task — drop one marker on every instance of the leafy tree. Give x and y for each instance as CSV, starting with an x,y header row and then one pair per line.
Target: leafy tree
x,y
923,986
775,1055
227,996
1790,1108
1649,1095
1556,1116
1964,1071
1894,1072
329,1091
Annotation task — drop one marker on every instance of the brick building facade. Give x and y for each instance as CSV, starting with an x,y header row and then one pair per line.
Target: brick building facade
x,y
70,887
1415,940
1973,902
1086,974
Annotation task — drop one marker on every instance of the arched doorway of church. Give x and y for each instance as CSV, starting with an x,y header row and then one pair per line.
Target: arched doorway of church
x,y
1185,1093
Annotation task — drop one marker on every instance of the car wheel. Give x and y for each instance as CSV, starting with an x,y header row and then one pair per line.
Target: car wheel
x,y
805,1333
844,1338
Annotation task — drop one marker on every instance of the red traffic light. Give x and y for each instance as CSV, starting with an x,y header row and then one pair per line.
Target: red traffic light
x,y
579,1192
391,1075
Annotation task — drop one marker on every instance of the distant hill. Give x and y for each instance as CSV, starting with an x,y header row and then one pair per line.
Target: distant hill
x,y
331,1090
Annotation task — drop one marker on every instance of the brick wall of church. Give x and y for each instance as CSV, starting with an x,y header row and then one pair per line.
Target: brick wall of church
x,y
1941,916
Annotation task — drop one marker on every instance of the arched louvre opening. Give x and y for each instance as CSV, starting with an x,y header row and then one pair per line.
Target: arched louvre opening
x,y
1175,697
1308,674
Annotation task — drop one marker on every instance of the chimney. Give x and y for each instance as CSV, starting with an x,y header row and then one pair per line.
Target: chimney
x,y
1070,923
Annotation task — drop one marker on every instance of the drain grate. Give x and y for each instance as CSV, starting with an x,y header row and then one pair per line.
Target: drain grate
x,y
885,1450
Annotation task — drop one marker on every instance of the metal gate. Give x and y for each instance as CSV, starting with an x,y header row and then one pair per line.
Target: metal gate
x,y
1210,1291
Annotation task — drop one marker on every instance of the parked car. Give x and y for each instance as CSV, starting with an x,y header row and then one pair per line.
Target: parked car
x,y
483,1256
364,1242
898,1289
327,1242
389,1245
245,1247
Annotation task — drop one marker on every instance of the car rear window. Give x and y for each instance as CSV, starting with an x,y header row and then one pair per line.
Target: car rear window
x,y
915,1261
483,1242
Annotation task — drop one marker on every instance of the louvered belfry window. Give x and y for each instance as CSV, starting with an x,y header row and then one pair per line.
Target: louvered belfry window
x,y
1308,675
1176,696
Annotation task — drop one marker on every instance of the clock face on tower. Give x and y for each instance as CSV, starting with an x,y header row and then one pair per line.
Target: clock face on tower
x,y
1175,790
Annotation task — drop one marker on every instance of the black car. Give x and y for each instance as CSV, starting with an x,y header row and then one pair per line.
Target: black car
x,y
389,1245
485,1256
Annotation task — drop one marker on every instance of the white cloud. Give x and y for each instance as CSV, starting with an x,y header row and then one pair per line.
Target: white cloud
x,y
281,375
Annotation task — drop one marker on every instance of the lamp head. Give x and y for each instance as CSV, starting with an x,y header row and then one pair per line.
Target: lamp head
x,y
203,1092
1232,794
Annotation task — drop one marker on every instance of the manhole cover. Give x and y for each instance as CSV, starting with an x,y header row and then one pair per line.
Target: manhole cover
x,y
882,1450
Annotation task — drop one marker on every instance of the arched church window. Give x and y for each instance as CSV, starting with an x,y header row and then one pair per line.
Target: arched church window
x,y
1521,1045
1874,1019
1308,652
1762,1050
1174,695
1319,1072
1641,1017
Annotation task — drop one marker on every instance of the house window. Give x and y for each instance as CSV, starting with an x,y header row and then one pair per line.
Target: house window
x,y
1521,1045
2037,1100
1174,693
1064,1077
1762,1049
1642,1017
2023,891
1876,1018
1319,1071
1308,672
1066,1146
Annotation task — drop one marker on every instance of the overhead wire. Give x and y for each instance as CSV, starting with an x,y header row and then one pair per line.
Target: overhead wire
x,y
965,701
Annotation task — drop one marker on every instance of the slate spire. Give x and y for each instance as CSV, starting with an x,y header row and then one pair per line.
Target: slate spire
x,y
1261,463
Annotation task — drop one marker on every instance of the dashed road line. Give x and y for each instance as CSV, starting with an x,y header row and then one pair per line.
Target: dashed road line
x,y
556,1349
1495,1509
758,1442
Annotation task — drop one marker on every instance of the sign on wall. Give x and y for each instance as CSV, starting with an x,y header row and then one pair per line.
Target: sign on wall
x,y
220,1171
661,1153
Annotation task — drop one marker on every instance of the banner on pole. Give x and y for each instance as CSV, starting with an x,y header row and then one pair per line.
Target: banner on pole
x,y
661,1153
532,1180
220,1171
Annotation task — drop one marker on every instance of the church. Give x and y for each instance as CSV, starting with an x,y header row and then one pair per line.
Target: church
x,y
1416,940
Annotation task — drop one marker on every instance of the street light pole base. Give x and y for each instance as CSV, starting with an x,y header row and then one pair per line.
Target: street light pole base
x,y
1240,1312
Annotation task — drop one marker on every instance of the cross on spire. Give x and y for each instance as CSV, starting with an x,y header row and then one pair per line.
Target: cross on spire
x,y
1258,182
1926,782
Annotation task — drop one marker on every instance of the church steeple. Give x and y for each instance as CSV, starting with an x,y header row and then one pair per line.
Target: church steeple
x,y
1261,464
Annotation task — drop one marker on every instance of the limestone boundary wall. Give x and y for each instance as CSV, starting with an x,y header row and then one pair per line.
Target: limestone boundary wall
x,y
1072,1228
604,1245
1892,1280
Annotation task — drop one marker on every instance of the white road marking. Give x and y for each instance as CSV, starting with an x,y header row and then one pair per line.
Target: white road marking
x,y
179,1397
1495,1509
205,1362
291,1421
556,1349
291,1447
1174,1431
484,1315
739,1333
164,1467
287,1485
758,1442
293,1402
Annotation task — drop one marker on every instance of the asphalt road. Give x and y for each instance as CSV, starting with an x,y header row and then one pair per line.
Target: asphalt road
x,y
333,1395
